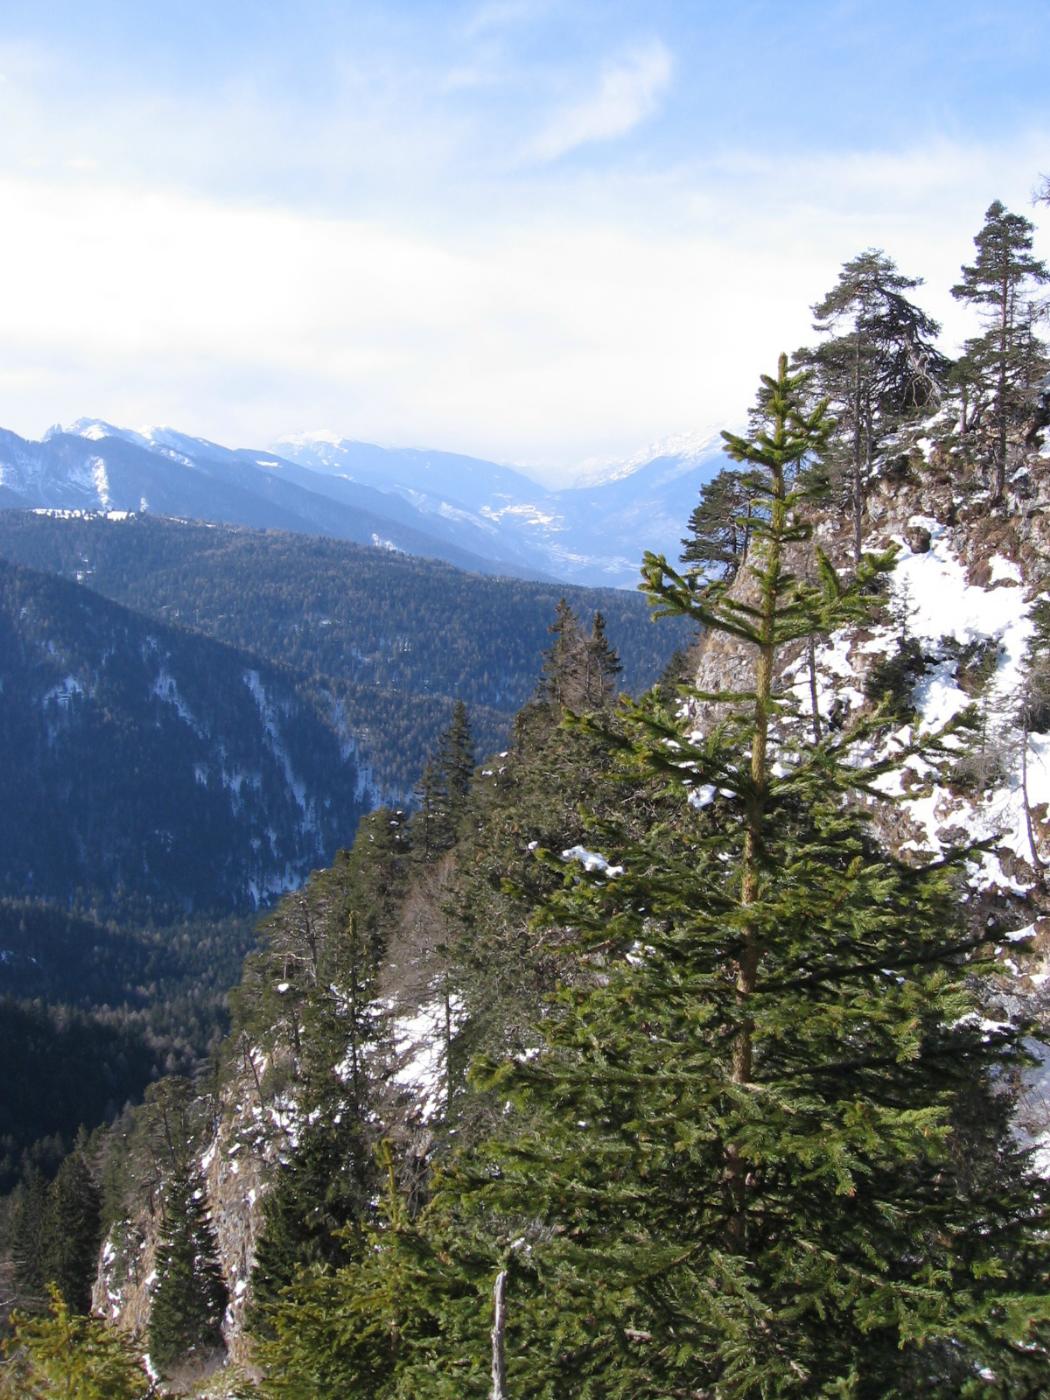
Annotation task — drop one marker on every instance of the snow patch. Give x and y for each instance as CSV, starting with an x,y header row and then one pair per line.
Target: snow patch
x,y
592,861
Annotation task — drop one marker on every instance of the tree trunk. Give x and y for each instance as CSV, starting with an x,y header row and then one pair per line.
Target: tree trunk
x,y
499,1329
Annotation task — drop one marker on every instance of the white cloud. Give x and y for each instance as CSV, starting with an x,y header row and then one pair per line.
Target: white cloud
x,y
502,14
628,92
552,327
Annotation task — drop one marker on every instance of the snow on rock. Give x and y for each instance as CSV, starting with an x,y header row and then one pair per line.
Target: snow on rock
x,y
1033,1123
420,1038
592,861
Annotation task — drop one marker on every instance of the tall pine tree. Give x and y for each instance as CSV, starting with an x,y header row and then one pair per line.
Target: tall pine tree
x,y
878,364
759,1144
1007,361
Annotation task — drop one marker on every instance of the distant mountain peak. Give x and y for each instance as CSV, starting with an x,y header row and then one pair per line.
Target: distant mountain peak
x,y
313,437
688,447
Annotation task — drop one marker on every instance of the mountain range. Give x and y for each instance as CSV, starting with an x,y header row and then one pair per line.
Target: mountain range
x,y
475,514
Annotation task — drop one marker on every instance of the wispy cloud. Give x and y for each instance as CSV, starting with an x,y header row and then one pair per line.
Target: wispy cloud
x,y
501,14
628,91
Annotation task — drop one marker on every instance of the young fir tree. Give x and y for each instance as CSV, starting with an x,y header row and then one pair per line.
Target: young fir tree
x,y
1007,360
189,1294
63,1355
766,1151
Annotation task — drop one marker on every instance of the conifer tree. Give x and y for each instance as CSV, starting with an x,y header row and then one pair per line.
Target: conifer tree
x,y
74,1230
315,1211
878,364
441,793
758,1144
719,527
602,666
189,1295
28,1234
562,662
319,1202
456,762
579,669
425,821
1007,359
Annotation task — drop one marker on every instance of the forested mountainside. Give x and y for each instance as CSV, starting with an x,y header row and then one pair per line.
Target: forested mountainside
x,y
91,1012
150,767
697,1045
388,641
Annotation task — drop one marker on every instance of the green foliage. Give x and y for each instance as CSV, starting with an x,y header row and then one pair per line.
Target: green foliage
x,y
720,525
878,367
309,1001
64,1357
1003,368
579,669
891,680
189,1295
444,787
315,1210
73,1231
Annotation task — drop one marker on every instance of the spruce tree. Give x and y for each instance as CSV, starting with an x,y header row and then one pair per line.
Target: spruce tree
x,y
28,1236
74,1230
456,762
564,663
441,794
189,1295
315,1210
1007,359
602,666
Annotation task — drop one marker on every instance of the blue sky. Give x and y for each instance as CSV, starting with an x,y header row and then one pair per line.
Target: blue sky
x,y
542,232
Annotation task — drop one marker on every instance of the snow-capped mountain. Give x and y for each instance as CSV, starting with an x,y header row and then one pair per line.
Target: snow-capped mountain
x,y
594,533
99,467
479,515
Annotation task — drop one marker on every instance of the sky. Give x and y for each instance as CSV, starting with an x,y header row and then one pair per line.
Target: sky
x,y
545,232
